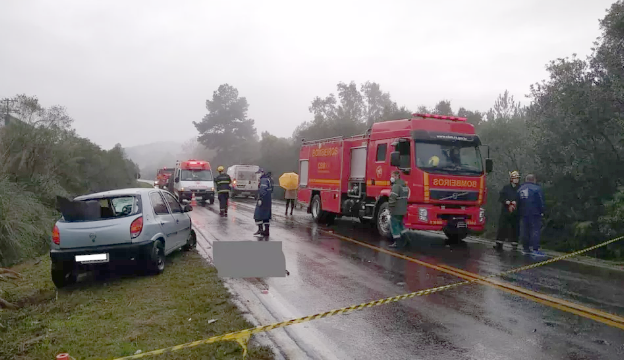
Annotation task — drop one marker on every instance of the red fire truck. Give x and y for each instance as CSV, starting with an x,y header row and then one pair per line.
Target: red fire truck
x,y
162,177
440,160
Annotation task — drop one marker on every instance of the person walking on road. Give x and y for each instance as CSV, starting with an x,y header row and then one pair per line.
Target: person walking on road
x,y
508,221
398,209
291,198
531,207
262,214
223,190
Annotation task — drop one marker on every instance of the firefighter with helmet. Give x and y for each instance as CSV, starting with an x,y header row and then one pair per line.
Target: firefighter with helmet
x,y
508,222
223,181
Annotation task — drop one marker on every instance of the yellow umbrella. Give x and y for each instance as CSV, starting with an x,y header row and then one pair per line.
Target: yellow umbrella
x,y
289,181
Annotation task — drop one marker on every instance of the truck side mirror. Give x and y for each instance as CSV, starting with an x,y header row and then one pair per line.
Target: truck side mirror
x,y
177,179
395,158
489,165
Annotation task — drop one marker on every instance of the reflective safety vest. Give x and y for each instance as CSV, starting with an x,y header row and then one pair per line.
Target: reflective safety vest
x,y
223,182
398,198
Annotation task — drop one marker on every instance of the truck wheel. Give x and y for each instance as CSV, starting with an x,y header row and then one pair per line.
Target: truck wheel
x,y
63,273
155,261
383,220
316,209
191,242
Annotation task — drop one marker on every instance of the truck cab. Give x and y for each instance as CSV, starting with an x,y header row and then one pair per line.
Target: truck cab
x,y
162,177
193,177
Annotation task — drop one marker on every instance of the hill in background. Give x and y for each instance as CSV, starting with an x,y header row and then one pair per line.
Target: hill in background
x,y
153,156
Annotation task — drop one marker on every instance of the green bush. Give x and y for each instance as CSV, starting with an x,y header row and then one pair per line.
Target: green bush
x,y
25,223
41,157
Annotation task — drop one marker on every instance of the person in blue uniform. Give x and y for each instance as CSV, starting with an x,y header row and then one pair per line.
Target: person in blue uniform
x,y
262,214
531,208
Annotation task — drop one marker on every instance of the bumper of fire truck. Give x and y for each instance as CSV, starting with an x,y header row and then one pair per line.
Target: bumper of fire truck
x,y
440,218
200,193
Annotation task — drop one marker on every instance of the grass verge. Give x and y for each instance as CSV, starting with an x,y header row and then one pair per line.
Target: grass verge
x,y
142,184
120,313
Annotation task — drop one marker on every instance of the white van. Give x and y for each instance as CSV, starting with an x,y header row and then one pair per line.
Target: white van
x,y
193,177
244,179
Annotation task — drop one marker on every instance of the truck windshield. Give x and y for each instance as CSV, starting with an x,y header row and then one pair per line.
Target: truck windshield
x,y
196,175
449,158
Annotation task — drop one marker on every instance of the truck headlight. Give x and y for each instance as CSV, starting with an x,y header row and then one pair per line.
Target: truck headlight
x,y
181,189
481,215
423,215
212,189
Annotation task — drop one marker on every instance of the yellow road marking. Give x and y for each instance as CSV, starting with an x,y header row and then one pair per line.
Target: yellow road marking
x,y
594,314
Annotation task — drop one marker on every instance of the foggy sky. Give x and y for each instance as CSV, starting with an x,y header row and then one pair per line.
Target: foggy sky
x,y
136,72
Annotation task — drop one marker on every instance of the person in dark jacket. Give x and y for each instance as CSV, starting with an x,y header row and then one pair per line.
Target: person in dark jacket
x,y
262,214
531,208
508,221
223,182
398,208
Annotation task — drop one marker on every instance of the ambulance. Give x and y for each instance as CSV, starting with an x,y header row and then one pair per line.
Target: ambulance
x,y
244,180
193,177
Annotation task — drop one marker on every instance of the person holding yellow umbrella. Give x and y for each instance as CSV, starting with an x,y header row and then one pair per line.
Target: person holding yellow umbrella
x,y
290,183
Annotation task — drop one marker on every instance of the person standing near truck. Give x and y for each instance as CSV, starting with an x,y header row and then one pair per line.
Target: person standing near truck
x,y
223,182
508,221
398,209
262,213
531,207
291,198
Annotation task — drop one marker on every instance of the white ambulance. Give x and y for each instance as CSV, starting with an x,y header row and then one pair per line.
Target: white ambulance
x,y
244,180
193,177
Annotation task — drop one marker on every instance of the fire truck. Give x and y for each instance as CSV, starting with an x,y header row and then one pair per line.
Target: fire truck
x,y
162,177
192,177
439,158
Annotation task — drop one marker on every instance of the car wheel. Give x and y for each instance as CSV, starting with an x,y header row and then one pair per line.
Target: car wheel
x,y
383,220
156,258
63,273
191,242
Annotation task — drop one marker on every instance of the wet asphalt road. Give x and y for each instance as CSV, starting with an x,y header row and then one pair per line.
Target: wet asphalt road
x,y
469,322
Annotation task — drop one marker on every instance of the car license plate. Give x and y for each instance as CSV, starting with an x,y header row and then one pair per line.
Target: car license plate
x,y
461,224
92,259
198,197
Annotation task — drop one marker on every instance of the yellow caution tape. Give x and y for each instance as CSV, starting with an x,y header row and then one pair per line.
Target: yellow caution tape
x,y
243,336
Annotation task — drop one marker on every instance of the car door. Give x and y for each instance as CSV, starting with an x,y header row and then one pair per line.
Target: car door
x,y
166,221
182,220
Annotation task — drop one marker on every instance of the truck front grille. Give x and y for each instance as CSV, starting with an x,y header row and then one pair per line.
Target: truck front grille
x,y
454,195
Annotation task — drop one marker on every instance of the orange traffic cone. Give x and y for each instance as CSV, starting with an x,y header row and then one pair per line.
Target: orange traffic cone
x,y
63,356
193,200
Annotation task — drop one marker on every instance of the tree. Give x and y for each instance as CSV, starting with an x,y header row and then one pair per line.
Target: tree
x,y
226,128
351,113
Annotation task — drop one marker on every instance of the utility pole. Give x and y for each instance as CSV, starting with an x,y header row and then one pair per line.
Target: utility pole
x,y
7,109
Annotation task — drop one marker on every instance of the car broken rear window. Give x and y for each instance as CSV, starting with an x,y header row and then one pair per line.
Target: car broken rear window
x,y
93,209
